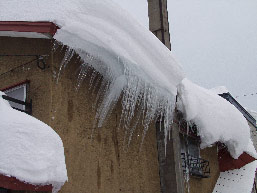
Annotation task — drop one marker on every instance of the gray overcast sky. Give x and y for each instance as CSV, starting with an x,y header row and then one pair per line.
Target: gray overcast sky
x,y
214,40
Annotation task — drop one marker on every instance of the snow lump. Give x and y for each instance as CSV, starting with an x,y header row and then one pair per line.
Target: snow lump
x,y
217,120
30,150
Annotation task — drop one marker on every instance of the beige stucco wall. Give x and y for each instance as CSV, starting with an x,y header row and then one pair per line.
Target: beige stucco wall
x,y
98,164
39,80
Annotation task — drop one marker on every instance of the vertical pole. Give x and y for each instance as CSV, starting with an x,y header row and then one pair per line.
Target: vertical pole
x,y
171,177
158,20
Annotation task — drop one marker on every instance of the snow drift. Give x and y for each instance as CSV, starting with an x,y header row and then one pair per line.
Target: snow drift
x,y
30,150
217,120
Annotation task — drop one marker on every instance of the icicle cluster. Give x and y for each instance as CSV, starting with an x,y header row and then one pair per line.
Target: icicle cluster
x,y
142,102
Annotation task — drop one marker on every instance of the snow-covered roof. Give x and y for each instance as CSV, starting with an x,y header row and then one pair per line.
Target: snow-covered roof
x,y
234,102
105,31
30,150
217,120
134,63
237,181
129,57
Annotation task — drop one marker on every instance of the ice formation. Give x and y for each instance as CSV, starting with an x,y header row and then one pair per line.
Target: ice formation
x,y
237,181
216,119
131,59
30,150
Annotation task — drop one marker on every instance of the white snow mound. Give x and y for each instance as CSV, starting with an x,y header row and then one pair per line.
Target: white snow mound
x,y
217,120
30,150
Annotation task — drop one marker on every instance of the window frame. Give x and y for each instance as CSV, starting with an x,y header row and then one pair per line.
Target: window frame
x,y
26,106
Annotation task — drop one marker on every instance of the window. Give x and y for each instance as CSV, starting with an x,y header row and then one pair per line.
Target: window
x,y
18,92
192,163
17,97
190,146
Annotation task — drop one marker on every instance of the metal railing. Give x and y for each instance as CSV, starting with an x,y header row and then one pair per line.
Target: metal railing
x,y
28,106
195,166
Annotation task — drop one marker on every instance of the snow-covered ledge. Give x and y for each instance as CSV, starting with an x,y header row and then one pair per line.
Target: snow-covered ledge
x,y
217,120
31,151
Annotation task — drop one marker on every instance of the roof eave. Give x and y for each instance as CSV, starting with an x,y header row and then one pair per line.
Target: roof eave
x,y
30,29
13,183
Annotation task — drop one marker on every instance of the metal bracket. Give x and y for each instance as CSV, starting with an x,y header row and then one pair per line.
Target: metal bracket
x,y
41,59
41,63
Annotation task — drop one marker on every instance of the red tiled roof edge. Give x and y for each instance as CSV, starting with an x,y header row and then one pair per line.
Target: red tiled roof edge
x,y
15,85
226,162
13,183
25,26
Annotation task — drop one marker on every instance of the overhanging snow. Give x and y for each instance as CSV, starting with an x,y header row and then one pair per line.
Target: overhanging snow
x,y
217,120
105,31
133,62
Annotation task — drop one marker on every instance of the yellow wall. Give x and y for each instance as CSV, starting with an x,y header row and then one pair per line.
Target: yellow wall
x,y
98,164
95,164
